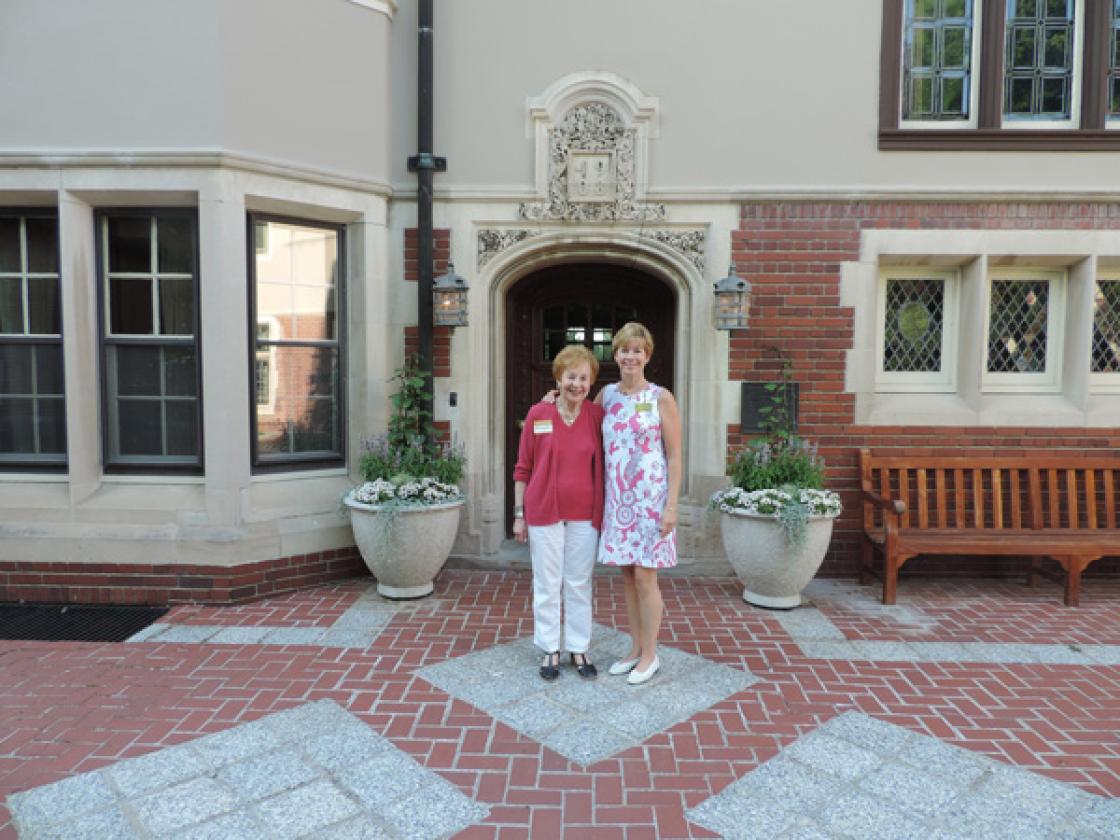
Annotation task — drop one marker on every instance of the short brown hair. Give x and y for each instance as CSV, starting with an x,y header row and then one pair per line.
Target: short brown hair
x,y
572,355
633,331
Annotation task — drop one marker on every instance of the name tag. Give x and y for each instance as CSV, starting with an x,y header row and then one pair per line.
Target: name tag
x,y
542,427
644,407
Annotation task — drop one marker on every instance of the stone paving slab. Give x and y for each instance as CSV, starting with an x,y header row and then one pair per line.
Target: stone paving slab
x,y
585,720
820,638
357,627
314,771
857,777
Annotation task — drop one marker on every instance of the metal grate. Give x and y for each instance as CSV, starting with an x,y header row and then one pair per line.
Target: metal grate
x,y
74,622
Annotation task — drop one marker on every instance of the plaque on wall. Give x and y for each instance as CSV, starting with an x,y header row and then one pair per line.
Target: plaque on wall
x,y
755,397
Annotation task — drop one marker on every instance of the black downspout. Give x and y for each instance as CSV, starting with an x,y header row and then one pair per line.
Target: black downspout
x,y
424,164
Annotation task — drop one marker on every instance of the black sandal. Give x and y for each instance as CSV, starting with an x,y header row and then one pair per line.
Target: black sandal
x,y
550,668
585,668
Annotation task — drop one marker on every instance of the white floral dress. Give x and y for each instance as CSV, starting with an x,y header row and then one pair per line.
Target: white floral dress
x,y
637,482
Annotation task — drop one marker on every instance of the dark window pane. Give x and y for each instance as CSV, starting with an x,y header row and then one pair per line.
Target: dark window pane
x,y
554,317
180,371
1020,96
1115,96
953,47
925,8
922,52
48,369
1056,55
139,430
43,305
955,8
17,420
175,245
1054,96
1026,8
130,244
9,245
15,369
11,305
52,426
130,306
137,370
182,427
42,245
176,306
1022,48
305,415
952,95
1057,8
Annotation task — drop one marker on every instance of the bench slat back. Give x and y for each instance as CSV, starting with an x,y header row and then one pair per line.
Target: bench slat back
x,y
990,493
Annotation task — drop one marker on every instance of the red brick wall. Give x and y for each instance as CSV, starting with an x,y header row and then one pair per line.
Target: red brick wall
x,y
792,252
120,583
441,337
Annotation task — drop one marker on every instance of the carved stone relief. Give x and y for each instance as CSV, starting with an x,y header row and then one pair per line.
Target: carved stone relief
x,y
492,242
688,243
592,172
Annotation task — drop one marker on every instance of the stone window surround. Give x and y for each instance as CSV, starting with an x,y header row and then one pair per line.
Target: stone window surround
x,y
1083,400
1091,131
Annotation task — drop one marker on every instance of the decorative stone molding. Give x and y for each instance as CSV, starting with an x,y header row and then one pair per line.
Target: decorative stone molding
x,y
592,132
492,242
690,244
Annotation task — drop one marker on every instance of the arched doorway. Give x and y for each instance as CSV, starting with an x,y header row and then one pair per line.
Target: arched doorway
x,y
580,303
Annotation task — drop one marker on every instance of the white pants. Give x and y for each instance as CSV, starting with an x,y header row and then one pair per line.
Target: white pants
x,y
563,561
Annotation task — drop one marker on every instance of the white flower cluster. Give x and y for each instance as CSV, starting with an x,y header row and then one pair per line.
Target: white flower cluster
x,y
771,502
419,491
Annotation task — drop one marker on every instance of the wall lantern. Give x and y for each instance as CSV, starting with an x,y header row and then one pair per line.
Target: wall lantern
x,y
449,296
733,301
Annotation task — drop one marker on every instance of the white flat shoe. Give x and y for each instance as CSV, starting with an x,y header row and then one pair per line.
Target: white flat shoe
x,y
623,666
639,677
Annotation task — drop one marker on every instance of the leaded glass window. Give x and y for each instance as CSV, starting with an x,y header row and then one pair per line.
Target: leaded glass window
x,y
150,327
592,326
1038,59
937,58
1105,351
297,361
1114,63
913,326
1018,325
32,401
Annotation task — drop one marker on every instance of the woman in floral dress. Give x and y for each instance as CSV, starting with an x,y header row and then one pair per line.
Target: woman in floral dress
x,y
642,463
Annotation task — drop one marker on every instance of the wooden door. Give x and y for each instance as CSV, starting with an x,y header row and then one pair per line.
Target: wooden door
x,y
577,304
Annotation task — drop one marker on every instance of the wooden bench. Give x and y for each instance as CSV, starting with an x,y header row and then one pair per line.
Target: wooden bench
x,y
1029,505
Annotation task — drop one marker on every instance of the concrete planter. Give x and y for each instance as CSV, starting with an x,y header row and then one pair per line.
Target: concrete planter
x,y
772,571
404,547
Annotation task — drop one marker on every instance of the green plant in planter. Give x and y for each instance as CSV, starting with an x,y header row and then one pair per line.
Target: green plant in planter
x,y
780,474
406,465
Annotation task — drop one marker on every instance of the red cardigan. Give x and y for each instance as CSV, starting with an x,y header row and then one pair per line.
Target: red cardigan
x,y
536,459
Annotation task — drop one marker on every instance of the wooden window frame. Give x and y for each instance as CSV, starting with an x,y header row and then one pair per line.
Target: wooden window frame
x,y
991,132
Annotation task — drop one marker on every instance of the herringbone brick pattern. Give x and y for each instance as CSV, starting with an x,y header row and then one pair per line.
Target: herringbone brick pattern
x,y
70,707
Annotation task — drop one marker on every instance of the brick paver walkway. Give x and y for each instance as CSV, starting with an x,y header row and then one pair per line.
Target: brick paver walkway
x,y
1045,698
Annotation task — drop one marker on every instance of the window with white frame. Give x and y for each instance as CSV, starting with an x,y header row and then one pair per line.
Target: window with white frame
x,y
149,320
1104,359
297,354
916,336
1025,309
32,398
1040,72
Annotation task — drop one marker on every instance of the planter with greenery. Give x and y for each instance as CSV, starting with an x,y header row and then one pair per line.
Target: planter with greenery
x,y
406,514
776,516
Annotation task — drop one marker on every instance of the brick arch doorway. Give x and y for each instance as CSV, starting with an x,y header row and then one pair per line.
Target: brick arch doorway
x,y
577,303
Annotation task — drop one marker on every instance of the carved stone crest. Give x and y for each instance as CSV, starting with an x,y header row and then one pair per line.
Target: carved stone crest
x,y
492,242
592,172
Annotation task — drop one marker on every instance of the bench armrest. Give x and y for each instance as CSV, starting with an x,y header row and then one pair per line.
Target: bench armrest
x,y
895,506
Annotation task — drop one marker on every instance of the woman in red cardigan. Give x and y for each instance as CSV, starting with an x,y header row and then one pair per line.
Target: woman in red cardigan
x,y
558,508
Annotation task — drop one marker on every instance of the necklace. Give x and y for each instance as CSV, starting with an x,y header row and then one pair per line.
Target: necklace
x,y
568,416
636,390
